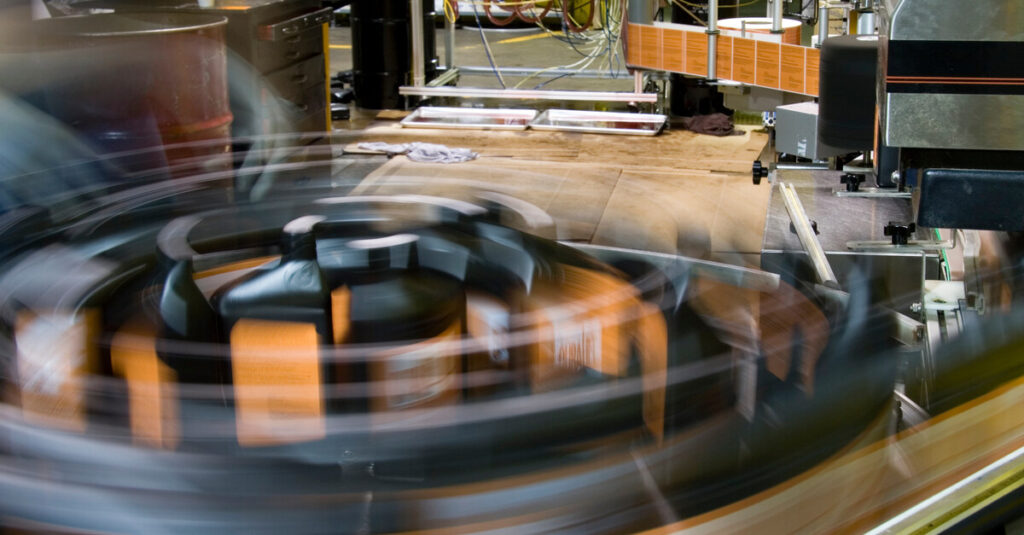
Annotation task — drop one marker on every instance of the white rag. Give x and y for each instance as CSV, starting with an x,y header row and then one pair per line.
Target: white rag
x,y
422,152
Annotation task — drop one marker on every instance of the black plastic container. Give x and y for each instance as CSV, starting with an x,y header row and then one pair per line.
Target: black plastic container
x,y
276,321
382,51
406,316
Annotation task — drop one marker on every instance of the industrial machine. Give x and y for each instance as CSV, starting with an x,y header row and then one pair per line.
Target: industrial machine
x,y
201,333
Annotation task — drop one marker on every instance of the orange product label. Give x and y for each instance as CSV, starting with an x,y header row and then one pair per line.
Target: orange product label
x,y
811,59
341,304
696,53
487,321
651,338
55,351
592,319
633,44
744,60
424,374
578,322
782,314
768,64
276,369
673,45
152,387
793,67
723,58
650,47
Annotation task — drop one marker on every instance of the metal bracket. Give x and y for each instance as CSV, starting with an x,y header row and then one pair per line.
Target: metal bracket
x,y
879,193
528,94
886,246
806,234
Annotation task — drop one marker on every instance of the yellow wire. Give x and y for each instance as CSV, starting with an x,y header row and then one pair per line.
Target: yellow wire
x,y
449,11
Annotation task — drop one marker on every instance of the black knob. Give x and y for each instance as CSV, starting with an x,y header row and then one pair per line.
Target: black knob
x,y
759,172
900,232
852,181
814,226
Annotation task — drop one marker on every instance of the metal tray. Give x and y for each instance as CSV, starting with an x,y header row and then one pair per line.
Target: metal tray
x,y
600,122
470,118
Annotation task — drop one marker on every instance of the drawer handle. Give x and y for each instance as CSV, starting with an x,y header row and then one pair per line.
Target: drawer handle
x,y
288,28
294,54
293,39
300,78
303,107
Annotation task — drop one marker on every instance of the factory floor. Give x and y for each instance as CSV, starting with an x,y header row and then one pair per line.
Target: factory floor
x,y
675,192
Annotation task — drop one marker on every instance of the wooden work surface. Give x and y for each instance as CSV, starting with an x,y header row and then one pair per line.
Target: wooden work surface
x,y
678,191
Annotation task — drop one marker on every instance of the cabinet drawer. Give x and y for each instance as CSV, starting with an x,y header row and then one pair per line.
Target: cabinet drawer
x,y
293,82
307,110
274,55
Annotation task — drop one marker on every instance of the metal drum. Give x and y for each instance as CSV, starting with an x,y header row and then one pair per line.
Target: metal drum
x,y
131,82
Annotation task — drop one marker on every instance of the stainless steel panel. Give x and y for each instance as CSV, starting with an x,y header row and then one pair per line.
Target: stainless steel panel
x,y
796,131
840,219
940,121
958,20
892,278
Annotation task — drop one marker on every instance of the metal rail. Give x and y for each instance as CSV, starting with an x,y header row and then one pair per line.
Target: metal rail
x,y
449,43
527,94
776,16
419,76
810,242
526,71
712,32
822,23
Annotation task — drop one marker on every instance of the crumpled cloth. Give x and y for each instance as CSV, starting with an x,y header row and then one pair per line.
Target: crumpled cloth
x,y
715,124
422,152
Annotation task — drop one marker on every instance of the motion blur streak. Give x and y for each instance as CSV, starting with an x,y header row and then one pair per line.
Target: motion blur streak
x,y
260,332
